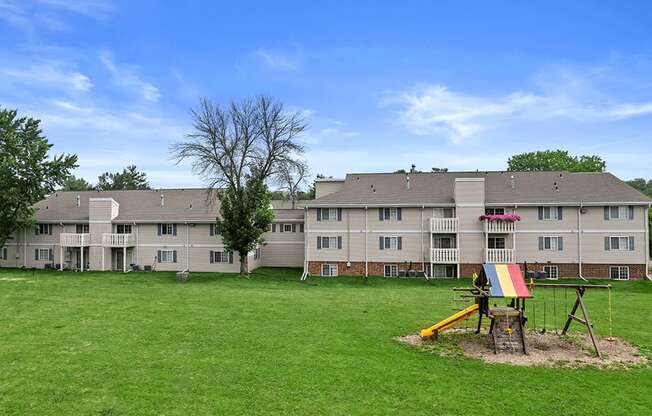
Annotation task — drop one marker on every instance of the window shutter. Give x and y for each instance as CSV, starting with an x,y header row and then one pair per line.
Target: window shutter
x,y
560,213
540,213
211,230
339,242
399,215
399,243
540,243
631,212
301,227
174,256
159,226
606,213
158,256
230,257
381,211
339,214
50,229
560,243
381,242
607,245
294,228
36,254
174,230
273,228
5,255
280,226
318,214
211,256
631,243
318,243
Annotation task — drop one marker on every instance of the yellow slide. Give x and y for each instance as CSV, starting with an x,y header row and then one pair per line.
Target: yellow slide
x,y
450,321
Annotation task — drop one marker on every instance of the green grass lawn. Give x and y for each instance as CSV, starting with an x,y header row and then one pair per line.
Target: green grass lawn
x,y
143,344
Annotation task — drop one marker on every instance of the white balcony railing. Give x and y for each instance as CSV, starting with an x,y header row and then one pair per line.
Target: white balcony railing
x,y
500,255
117,240
74,240
443,225
499,226
444,255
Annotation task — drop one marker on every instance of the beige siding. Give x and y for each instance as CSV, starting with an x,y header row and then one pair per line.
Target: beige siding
x,y
527,248
593,249
469,191
323,188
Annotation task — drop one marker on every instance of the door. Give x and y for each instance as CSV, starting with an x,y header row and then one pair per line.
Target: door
x,y
118,256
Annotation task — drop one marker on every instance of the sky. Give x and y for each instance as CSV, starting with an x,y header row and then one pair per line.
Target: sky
x,y
381,84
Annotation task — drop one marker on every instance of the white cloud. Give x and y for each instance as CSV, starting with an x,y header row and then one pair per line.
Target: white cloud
x,y
48,74
32,15
279,60
126,77
438,110
97,9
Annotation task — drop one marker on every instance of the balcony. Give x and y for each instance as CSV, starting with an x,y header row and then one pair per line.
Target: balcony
x,y
74,240
444,255
500,227
443,225
500,255
118,240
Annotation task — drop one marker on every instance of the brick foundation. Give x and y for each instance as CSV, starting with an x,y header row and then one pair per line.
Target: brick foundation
x,y
566,270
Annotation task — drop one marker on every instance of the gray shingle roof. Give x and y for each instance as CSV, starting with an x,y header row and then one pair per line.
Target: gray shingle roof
x,y
145,206
529,188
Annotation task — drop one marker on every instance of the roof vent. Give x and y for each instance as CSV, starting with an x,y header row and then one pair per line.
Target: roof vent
x,y
78,201
512,181
162,200
407,181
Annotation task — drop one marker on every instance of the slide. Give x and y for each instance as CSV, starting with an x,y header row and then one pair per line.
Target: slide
x,y
450,321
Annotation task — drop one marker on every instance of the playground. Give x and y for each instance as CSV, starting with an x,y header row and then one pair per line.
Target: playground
x,y
144,344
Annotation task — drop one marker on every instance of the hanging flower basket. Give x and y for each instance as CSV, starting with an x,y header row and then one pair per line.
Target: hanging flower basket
x,y
500,217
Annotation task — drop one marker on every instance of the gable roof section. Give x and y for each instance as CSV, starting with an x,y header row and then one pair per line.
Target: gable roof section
x,y
529,188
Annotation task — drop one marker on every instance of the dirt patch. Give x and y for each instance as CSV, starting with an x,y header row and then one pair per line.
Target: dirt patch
x,y
549,350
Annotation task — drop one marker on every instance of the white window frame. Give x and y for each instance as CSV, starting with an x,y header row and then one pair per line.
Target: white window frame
x,y
4,253
551,246
257,253
332,269
167,256
619,238
622,212
441,212
329,214
48,229
41,256
437,271
504,240
551,213
393,242
287,228
124,228
330,242
167,229
390,214
223,256
495,211
439,239
84,228
620,271
551,271
390,270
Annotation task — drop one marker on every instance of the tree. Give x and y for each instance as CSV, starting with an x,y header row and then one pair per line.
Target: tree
x,y
439,170
547,160
129,179
27,175
73,183
641,185
290,177
236,149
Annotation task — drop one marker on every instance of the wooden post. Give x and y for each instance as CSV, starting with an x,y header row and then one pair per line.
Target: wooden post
x,y
586,321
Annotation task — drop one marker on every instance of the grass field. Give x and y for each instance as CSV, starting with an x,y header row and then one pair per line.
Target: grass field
x,y
143,344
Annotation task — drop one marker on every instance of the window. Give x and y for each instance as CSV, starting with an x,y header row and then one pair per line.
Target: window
x,y
123,229
552,272
3,254
257,253
167,256
550,213
391,243
41,254
390,214
496,242
444,270
167,229
494,211
329,269
443,213
81,228
288,228
391,270
44,229
619,272
221,256
619,243
329,242
329,214
443,242
301,227
553,243
619,213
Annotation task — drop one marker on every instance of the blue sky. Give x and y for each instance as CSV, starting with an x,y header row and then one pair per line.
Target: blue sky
x,y
462,85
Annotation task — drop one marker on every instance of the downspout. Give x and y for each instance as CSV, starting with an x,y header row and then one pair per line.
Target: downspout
x,y
366,249
187,246
306,212
579,241
423,255
647,243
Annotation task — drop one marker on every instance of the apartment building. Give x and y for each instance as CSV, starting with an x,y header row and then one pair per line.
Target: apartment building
x,y
569,225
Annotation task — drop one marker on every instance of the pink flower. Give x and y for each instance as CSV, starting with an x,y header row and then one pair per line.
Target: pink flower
x,y
501,217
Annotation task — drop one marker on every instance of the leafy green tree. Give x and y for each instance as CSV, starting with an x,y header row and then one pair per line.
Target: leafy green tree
x,y
642,185
73,183
129,179
27,174
548,160
236,149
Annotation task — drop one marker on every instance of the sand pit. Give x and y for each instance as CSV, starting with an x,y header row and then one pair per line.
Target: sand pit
x,y
549,350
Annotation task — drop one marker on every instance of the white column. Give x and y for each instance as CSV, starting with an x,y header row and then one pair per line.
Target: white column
x,y
103,250
61,258
366,249
81,251
136,247
124,259
579,240
647,242
423,260
187,246
306,219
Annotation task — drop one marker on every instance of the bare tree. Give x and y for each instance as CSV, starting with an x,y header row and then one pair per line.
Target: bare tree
x,y
291,177
236,149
